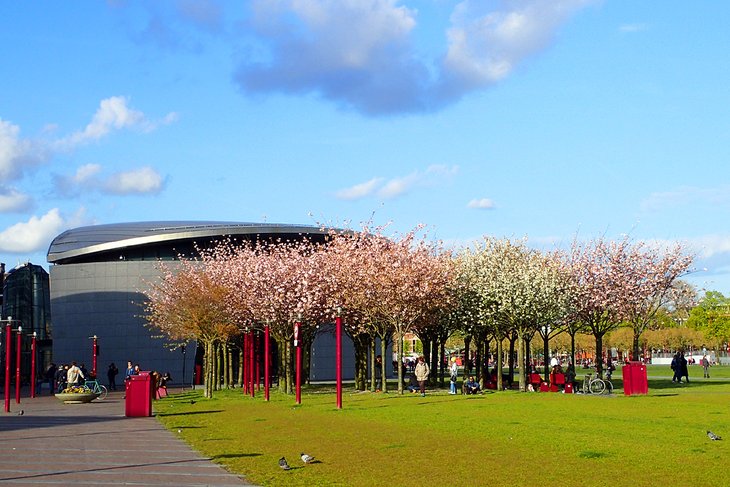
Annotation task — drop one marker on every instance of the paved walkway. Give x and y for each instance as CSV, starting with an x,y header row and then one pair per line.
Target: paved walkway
x,y
95,444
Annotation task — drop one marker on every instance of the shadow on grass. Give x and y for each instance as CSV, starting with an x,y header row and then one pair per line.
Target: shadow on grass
x,y
191,413
235,455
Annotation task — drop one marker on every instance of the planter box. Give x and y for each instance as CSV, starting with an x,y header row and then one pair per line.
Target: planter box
x,y
70,398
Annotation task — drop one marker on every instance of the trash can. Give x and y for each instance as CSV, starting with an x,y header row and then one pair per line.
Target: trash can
x,y
139,393
635,379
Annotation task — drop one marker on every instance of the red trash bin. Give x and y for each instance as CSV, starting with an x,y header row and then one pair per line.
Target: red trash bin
x,y
139,393
635,379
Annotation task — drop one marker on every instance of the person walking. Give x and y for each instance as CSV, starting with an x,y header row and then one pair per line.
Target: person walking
x,y
706,366
61,377
422,371
454,375
111,375
378,371
675,368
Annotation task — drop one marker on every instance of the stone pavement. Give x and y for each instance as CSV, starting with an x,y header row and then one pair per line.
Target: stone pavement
x,y
95,444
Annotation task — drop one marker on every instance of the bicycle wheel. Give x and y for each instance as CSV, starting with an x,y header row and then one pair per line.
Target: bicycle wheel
x,y
597,386
102,390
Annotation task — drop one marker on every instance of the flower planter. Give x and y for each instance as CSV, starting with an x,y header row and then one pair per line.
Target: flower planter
x,y
76,398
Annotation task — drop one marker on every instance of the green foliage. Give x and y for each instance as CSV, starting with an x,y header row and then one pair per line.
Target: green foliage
x,y
712,316
389,439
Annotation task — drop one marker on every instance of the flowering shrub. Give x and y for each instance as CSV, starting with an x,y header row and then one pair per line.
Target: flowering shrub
x,y
77,390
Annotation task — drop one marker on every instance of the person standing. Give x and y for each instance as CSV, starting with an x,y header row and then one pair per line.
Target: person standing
x,y
675,368
50,376
111,375
684,371
378,371
73,375
422,371
706,366
61,377
130,370
454,375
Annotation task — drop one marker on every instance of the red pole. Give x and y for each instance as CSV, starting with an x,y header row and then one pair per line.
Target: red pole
x,y
258,365
297,345
338,357
17,366
95,353
32,365
266,363
245,363
250,364
8,344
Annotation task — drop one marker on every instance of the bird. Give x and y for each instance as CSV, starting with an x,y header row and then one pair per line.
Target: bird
x,y
193,401
21,412
713,436
179,430
307,458
283,464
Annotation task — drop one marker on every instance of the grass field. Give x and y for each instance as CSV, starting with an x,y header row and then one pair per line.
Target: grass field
x,y
507,438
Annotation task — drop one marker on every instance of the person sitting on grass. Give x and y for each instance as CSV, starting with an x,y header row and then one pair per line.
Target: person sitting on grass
x,y
413,383
471,386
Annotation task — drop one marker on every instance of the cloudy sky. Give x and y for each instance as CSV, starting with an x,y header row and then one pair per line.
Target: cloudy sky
x,y
538,118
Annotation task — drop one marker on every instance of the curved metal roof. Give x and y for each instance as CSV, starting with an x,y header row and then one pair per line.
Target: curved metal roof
x,y
83,241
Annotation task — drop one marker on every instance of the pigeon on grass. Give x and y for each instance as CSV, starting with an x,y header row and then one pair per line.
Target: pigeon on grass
x,y
307,458
283,464
713,436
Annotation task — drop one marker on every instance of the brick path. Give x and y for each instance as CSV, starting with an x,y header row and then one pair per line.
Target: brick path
x,y
95,444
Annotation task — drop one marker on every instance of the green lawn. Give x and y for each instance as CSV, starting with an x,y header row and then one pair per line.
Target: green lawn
x,y
507,438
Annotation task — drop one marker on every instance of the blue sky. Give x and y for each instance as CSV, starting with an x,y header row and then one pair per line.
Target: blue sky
x,y
545,119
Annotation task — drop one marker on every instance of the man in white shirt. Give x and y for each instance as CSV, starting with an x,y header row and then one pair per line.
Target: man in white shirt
x,y
73,375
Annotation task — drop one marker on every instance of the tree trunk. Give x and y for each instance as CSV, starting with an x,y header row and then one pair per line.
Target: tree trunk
x,y
521,356
599,355
399,356
636,352
546,353
240,366
511,359
289,368
384,366
442,361
572,347
373,379
433,378
467,350
209,359
360,342
498,362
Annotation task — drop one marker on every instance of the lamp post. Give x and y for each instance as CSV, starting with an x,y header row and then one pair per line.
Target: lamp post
x,y
338,355
32,365
17,364
8,346
94,354
297,345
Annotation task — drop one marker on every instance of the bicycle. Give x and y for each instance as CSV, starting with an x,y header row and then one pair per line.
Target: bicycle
x,y
99,389
596,385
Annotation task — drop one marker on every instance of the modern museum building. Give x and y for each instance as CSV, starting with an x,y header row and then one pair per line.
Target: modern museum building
x,y
98,278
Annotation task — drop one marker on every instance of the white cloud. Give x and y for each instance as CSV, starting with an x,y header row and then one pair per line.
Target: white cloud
x,y
434,175
113,114
486,45
16,154
481,204
144,180
362,54
35,234
359,190
139,181
12,200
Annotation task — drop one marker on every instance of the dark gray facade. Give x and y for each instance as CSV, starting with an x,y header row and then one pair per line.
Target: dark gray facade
x,y
99,275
